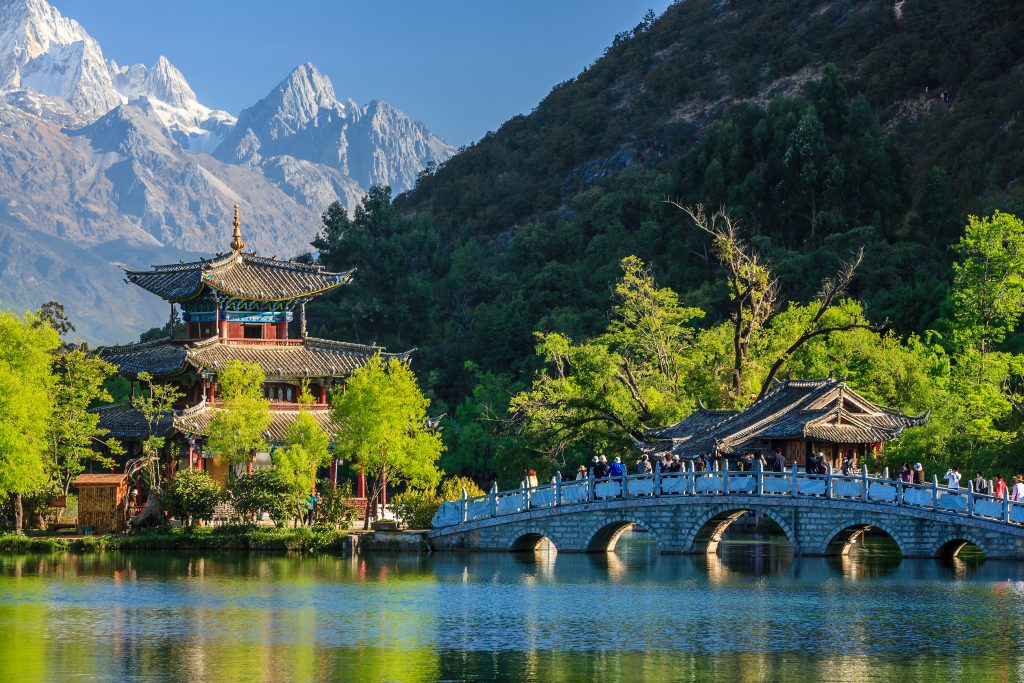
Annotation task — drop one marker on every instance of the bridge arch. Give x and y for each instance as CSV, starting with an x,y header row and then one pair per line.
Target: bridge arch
x,y
529,540
602,537
952,544
706,532
841,539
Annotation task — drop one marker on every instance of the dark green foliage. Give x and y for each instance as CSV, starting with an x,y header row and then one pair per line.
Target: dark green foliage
x,y
808,118
192,496
333,507
265,490
416,509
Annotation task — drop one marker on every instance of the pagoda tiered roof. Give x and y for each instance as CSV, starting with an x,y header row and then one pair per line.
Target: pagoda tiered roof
x,y
125,421
821,410
196,420
238,275
295,358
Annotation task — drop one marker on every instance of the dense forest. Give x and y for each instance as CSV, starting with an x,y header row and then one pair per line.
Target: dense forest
x,y
821,127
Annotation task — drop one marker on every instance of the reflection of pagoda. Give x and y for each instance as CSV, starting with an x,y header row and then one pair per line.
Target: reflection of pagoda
x,y
235,307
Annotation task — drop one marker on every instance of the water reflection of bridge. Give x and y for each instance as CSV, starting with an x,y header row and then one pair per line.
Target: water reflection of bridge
x,y
688,512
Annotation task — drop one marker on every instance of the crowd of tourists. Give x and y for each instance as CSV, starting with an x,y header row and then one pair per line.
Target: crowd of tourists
x,y
816,463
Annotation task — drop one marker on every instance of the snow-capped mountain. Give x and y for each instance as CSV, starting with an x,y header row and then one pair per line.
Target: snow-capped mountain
x,y
103,164
302,118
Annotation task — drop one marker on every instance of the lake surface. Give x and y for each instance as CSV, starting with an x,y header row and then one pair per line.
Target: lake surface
x,y
752,613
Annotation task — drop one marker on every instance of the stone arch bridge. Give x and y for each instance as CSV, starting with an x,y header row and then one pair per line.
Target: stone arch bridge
x,y
688,512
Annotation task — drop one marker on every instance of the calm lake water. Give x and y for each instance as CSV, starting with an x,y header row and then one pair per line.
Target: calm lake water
x,y
752,613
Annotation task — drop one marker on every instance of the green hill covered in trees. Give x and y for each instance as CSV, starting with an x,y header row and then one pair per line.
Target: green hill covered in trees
x,y
822,127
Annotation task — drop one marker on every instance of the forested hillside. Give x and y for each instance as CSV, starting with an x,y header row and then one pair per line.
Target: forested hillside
x,y
821,126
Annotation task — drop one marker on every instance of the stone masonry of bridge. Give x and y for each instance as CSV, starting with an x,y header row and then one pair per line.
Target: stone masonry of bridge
x,y
695,524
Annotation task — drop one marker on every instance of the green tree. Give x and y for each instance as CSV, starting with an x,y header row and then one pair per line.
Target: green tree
x,y
192,496
601,392
264,490
236,431
155,406
74,431
305,449
381,421
26,381
988,281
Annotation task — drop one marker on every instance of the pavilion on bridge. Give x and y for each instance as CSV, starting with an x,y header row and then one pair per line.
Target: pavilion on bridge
x,y
235,306
799,417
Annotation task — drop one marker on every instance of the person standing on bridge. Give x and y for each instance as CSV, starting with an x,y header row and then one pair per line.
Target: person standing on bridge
x,y
918,474
999,487
779,461
1018,488
616,469
601,468
643,465
980,484
953,478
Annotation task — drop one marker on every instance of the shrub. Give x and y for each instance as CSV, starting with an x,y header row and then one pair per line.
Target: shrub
x,y
192,496
265,490
416,509
333,508
451,488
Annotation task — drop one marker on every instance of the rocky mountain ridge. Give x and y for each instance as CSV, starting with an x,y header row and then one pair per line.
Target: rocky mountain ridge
x,y
106,165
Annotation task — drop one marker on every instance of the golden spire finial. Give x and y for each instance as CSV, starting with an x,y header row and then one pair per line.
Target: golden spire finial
x,y
236,243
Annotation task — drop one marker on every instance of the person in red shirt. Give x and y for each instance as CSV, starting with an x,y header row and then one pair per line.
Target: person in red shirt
x,y
999,487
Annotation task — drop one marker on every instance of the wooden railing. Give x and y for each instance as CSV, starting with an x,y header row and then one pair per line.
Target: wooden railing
x,y
877,490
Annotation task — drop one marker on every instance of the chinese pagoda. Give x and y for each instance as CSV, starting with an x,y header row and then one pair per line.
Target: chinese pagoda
x,y
235,306
797,417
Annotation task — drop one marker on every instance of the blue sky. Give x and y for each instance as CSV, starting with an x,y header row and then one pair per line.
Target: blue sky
x,y
459,66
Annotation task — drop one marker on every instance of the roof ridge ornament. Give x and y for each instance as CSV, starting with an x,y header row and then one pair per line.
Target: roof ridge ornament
x,y
236,242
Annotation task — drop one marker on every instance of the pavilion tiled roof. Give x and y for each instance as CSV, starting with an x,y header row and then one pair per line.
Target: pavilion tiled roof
x,y
311,358
196,420
824,410
124,421
239,275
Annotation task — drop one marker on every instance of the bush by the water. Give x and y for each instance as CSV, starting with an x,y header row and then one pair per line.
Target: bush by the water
x,y
416,509
318,539
334,508
265,490
192,496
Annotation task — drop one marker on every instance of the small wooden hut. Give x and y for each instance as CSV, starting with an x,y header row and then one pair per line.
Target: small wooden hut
x,y
102,502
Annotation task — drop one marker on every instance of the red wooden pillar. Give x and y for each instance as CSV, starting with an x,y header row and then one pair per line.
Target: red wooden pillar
x,y
213,391
248,465
191,455
361,484
323,393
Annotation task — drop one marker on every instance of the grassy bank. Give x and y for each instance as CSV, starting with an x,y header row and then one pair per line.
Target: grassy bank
x,y
235,538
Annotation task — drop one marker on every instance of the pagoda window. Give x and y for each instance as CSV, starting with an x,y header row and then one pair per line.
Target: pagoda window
x,y
253,331
289,394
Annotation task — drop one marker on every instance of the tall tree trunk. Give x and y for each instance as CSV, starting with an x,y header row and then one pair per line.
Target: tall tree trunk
x,y
19,512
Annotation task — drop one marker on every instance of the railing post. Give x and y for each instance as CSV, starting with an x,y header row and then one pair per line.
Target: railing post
x,y
525,493
970,499
885,472
657,478
558,488
1006,506
899,492
494,499
864,482
759,474
691,485
935,492
625,476
725,476
465,507
794,481
828,483
590,485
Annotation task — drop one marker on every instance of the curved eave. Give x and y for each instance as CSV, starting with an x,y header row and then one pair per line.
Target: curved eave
x,y
208,282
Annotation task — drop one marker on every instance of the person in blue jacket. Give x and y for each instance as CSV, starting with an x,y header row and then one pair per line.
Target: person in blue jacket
x,y
616,469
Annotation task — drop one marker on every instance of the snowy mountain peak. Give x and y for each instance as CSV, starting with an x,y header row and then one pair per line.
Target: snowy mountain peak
x,y
302,94
52,55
